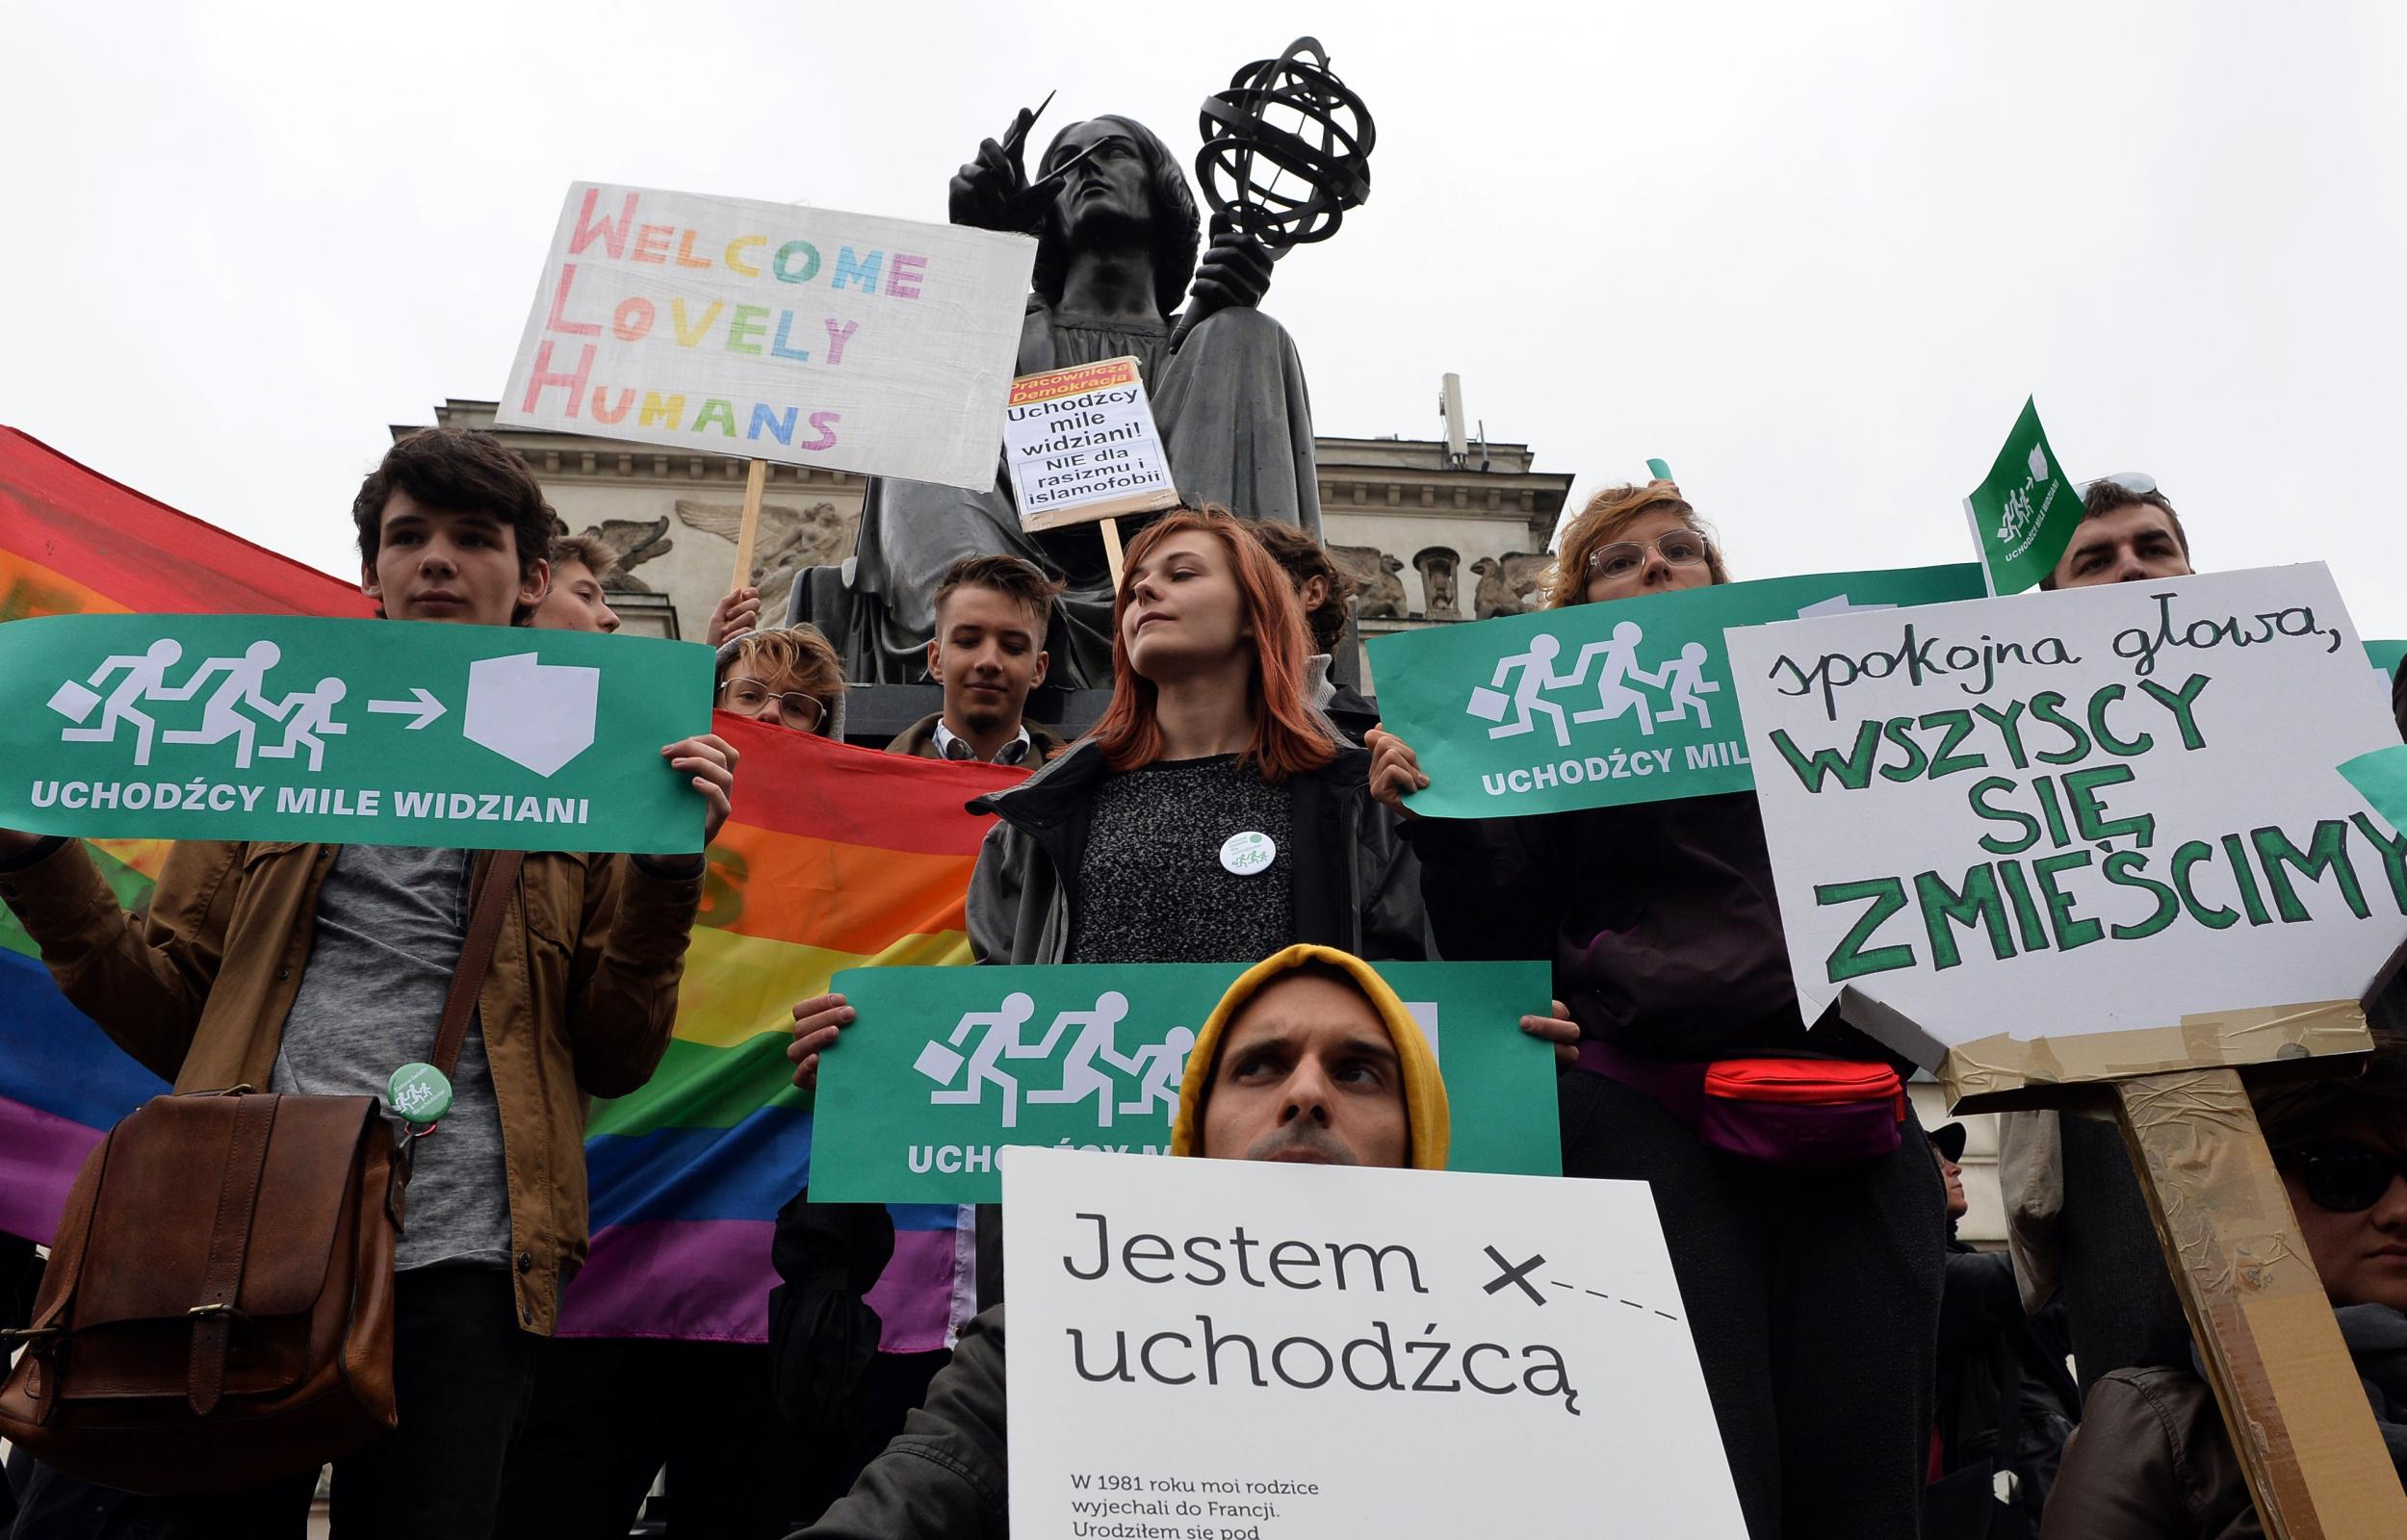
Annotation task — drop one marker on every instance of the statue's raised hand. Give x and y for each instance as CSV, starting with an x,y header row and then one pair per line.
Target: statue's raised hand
x,y
1233,275
991,192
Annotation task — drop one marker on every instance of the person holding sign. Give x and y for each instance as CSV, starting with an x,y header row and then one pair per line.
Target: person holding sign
x,y
1805,1217
308,969
1308,1057
2152,1459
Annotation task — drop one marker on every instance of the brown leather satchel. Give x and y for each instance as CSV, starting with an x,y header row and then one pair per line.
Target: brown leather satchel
x,y
217,1311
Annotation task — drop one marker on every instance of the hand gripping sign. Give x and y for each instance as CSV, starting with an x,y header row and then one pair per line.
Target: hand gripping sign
x,y
348,730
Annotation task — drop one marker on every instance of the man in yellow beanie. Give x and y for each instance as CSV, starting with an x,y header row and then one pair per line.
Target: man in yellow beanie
x,y
1309,1057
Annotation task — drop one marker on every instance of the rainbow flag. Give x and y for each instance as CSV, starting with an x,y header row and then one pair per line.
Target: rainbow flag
x,y
72,542
836,858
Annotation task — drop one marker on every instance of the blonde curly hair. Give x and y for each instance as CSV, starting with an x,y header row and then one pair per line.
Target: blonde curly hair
x,y
1609,513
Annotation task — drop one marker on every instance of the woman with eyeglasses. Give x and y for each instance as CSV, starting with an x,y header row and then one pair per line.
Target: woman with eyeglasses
x,y
2151,1459
790,678
1813,1291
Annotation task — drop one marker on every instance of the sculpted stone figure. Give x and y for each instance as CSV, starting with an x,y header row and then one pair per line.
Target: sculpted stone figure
x,y
1116,235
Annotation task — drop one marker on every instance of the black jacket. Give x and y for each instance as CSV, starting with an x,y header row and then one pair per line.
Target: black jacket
x,y
942,1477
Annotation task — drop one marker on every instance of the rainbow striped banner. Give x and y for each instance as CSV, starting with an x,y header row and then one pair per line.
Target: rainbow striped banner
x,y
836,858
72,542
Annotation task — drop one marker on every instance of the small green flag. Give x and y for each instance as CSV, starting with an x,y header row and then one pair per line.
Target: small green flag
x,y
2023,515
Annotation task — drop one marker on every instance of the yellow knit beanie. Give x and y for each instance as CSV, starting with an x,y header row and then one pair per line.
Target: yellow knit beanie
x,y
1424,1088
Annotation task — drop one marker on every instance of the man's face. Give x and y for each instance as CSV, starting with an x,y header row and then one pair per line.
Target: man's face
x,y
1306,1073
2132,544
1952,1175
2360,1254
458,567
987,654
574,601
1110,187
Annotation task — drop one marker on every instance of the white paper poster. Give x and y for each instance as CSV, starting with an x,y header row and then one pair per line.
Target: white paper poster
x,y
1207,1349
1082,446
774,331
2065,813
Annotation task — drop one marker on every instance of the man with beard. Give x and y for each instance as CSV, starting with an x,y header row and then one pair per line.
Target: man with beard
x,y
1308,1057
1117,233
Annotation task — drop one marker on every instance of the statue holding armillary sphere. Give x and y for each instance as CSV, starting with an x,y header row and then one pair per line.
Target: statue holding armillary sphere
x,y
1118,275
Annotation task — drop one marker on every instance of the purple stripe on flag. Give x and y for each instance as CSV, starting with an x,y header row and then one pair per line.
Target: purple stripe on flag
x,y
40,1155
704,1280
914,1295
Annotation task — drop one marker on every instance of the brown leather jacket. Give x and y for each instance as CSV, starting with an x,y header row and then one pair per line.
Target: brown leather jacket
x,y
2150,1461
579,1001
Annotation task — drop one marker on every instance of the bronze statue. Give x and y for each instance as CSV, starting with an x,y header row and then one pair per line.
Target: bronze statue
x,y
1116,235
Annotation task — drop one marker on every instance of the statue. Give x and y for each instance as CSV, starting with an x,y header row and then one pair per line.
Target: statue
x,y
1116,235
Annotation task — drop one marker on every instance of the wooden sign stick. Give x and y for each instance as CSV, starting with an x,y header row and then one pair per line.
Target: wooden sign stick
x,y
2289,1390
1111,548
755,480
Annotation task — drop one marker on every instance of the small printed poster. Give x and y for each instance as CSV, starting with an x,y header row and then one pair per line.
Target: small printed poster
x,y
1082,446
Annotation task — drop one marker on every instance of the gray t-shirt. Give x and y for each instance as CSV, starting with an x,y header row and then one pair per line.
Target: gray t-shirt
x,y
390,923
1152,885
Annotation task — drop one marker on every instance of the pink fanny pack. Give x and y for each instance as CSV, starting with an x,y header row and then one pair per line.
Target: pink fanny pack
x,y
1783,1111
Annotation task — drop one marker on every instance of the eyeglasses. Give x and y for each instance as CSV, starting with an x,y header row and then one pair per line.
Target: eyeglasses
x,y
1682,547
2139,483
2343,1178
750,697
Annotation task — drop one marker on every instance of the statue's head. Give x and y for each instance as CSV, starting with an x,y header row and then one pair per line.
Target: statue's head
x,y
1133,181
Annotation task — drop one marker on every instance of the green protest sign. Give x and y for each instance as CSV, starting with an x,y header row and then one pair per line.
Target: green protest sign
x,y
947,1065
2385,657
1645,710
2024,513
353,732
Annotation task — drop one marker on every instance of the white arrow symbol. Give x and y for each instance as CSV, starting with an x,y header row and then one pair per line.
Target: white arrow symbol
x,y
425,708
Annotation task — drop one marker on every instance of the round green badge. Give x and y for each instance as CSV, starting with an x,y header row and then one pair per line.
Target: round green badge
x,y
420,1092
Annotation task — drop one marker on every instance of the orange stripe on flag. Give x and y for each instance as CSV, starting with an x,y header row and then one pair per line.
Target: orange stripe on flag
x,y
28,589
826,893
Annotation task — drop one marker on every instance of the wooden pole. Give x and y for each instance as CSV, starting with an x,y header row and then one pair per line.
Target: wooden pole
x,y
1111,549
2288,1392
754,480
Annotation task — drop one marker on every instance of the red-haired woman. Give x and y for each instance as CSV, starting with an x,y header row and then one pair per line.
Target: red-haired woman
x,y
1812,1289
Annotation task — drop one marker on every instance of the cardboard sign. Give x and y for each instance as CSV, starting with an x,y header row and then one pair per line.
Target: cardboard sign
x,y
1253,1352
1596,704
2081,834
960,1063
729,326
1082,446
2024,513
349,732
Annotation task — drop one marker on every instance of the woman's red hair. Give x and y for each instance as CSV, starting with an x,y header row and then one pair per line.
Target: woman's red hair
x,y
1288,734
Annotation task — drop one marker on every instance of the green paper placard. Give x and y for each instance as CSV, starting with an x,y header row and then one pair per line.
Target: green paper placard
x,y
2024,513
946,1065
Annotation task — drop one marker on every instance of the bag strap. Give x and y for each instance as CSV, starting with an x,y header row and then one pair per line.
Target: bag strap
x,y
476,954
229,1245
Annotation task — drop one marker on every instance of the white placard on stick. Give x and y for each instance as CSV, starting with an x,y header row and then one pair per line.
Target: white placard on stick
x,y
2060,815
779,332
1244,1350
1082,446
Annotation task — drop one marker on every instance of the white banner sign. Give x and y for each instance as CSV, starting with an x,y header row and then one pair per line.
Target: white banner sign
x,y
774,331
1238,1350
1082,446
2066,814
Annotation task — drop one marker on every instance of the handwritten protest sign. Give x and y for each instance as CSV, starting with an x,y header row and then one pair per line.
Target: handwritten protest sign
x,y
2023,512
779,332
353,732
1242,1349
2109,814
1597,704
1082,446
967,1062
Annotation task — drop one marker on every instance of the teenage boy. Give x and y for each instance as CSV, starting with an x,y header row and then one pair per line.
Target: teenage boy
x,y
580,564
319,969
988,652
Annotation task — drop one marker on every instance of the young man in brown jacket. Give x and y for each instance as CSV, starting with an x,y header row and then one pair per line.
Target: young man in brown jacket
x,y
319,969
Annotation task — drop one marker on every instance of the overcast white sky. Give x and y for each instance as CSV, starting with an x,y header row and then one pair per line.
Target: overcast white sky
x,y
1814,256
